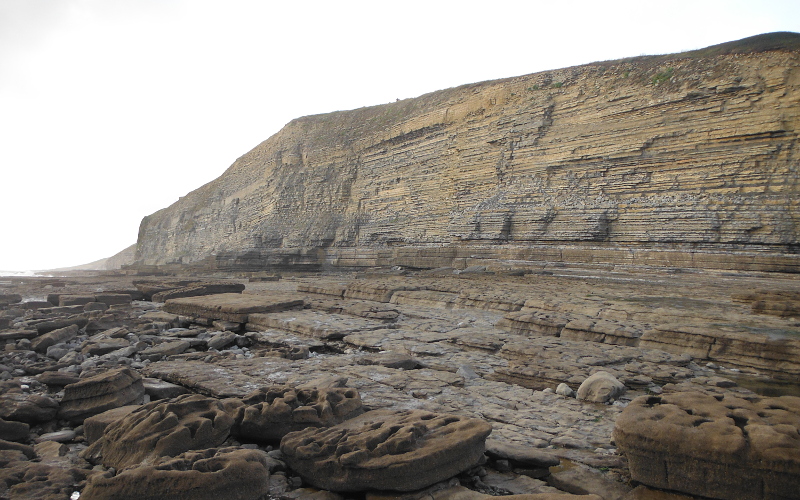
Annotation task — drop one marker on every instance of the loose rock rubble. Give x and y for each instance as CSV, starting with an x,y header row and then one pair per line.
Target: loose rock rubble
x,y
429,386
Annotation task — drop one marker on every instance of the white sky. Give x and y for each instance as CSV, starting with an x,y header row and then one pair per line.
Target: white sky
x,y
112,109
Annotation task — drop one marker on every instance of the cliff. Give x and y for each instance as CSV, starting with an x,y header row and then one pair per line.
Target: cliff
x,y
683,160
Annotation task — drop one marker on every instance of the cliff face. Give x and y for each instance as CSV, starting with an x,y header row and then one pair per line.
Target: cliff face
x,y
680,156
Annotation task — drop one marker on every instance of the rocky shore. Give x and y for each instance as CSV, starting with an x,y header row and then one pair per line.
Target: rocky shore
x,y
570,382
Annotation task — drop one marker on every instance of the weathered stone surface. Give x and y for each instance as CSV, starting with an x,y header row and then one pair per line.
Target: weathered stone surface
x,y
57,378
30,408
100,393
221,340
524,455
386,450
195,475
13,431
112,299
544,362
162,429
271,413
600,387
198,289
585,481
41,343
100,346
159,389
169,348
48,326
233,306
74,300
313,323
724,447
39,481
9,298
95,426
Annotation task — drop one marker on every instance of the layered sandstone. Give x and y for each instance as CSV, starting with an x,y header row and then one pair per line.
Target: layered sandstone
x,y
686,160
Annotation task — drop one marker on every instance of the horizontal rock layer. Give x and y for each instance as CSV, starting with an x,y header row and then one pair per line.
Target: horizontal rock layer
x,y
678,161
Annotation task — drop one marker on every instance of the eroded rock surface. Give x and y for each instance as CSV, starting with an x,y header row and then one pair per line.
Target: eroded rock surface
x,y
720,447
162,429
195,475
387,450
271,413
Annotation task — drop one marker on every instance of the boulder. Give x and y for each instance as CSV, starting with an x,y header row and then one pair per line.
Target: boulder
x,y
221,340
48,326
721,447
30,408
42,342
565,390
75,300
100,393
13,431
236,474
162,429
271,413
157,352
600,387
386,450
57,378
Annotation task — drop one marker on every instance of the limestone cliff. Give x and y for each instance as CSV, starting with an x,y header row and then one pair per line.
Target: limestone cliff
x,y
690,159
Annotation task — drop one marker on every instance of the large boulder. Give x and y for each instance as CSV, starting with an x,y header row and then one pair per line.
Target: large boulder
x,y
271,413
101,392
600,387
162,429
720,447
234,474
386,450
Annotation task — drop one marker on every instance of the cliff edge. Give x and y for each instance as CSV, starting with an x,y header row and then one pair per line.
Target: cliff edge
x,y
686,160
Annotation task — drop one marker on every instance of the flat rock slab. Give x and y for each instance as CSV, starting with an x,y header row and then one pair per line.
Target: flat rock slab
x,y
387,450
196,475
721,447
315,324
234,307
542,362
198,289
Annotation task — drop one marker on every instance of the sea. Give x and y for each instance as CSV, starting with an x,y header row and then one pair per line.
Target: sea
x,y
17,273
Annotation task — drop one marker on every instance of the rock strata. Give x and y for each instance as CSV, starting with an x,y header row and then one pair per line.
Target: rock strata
x,y
386,450
100,393
674,161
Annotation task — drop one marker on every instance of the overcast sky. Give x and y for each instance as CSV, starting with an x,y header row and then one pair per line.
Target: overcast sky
x,y
112,109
